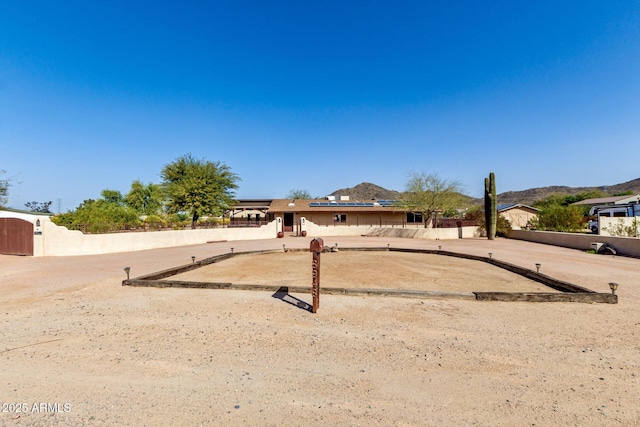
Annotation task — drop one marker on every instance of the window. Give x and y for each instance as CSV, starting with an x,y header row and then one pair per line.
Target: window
x,y
413,217
340,218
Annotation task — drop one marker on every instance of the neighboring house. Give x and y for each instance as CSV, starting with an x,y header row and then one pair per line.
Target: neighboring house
x,y
617,206
518,215
608,201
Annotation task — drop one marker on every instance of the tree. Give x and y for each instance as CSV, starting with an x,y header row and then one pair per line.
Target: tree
x,y
38,207
112,196
198,187
557,214
100,216
298,194
555,217
4,189
428,193
146,199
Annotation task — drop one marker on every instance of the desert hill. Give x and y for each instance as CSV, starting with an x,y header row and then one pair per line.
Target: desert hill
x,y
369,191
531,195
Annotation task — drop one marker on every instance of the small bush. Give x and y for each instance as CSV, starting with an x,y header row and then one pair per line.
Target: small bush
x,y
155,222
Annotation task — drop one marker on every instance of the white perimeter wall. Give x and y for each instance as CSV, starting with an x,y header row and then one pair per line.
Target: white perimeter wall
x,y
59,241
314,230
623,245
606,223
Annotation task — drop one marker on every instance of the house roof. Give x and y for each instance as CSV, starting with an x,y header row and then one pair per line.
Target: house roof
x,y
323,205
503,208
602,200
252,204
22,211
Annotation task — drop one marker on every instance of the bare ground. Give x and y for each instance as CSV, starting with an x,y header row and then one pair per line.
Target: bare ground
x,y
71,334
362,269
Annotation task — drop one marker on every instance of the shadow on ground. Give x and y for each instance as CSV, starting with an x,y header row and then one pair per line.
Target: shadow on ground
x,y
283,295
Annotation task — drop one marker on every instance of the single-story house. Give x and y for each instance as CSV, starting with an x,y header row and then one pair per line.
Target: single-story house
x,y
326,212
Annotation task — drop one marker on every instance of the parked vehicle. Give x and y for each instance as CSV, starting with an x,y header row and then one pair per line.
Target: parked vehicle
x,y
618,211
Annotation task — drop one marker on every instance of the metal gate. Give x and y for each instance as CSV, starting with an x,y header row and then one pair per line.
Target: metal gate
x,y
16,237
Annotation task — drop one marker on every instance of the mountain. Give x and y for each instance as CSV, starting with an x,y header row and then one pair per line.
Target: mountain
x,y
531,195
367,191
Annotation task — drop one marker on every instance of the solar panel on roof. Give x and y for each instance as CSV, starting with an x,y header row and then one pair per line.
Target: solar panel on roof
x,y
341,204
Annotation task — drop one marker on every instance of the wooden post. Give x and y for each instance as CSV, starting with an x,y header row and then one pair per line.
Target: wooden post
x,y
316,246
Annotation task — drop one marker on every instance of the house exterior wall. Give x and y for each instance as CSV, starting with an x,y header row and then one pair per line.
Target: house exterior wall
x,y
354,218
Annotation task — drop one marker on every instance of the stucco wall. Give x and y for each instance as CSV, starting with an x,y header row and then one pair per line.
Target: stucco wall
x,y
38,237
315,230
608,224
59,241
623,245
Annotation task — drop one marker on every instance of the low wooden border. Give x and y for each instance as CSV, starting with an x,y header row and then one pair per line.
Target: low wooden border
x,y
569,292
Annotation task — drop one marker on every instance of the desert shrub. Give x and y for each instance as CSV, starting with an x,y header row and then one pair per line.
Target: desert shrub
x,y
98,216
556,217
155,222
503,226
177,221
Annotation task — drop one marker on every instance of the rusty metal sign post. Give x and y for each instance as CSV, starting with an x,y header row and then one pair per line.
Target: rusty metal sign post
x,y
316,246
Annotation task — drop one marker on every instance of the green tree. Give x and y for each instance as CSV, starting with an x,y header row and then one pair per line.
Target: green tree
x,y
552,204
556,217
146,199
99,216
4,189
427,193
38,207
112,196
198,187
298,194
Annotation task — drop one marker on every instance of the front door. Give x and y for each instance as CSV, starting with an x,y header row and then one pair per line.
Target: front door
x,y
288,221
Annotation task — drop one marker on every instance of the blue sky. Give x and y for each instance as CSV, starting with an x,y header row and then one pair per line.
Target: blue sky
x,y
317,95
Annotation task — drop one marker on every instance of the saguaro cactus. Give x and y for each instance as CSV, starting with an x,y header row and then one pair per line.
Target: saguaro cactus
x,y
490,208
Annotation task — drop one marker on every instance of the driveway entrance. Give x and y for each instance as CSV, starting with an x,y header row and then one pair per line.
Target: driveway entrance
x,y
16,237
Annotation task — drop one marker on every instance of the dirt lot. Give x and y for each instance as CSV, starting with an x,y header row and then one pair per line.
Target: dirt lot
x,y
360,269
79,349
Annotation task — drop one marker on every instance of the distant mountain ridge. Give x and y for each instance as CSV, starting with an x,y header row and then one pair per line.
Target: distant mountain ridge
x,y
531,195
369,191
